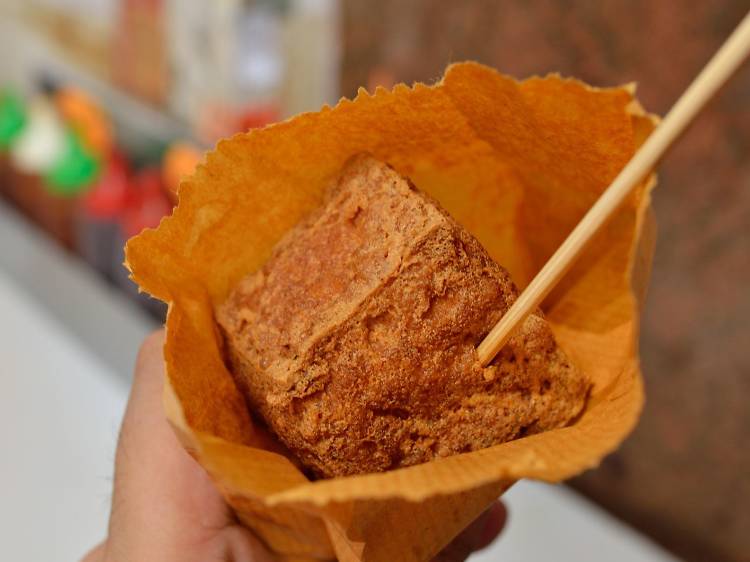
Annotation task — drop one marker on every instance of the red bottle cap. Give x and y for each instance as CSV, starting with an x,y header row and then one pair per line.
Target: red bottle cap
x,y
109,197
258,116
148,205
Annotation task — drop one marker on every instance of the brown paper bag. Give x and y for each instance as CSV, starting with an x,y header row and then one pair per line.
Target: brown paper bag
x,y
518,164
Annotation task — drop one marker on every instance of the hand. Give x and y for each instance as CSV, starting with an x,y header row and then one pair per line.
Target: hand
x,y
164,506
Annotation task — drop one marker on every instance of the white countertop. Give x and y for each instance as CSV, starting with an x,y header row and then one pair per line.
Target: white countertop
x,y
60,409
62,393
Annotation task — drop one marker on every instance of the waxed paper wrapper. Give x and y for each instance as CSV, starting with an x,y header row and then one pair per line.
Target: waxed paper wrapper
x,y
517,164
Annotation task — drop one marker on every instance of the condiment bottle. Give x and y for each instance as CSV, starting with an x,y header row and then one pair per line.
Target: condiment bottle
x,y
98,215
87,119
145,209
12,122
32,153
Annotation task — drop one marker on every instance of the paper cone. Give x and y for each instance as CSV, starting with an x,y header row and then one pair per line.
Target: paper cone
x,y
518,164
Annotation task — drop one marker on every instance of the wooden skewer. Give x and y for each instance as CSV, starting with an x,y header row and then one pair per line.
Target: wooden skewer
x,y
729,57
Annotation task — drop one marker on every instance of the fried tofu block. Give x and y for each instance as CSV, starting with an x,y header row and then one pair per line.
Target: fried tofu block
x,y
355,342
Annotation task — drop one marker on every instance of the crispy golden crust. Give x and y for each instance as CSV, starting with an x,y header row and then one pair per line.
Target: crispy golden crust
x,y
356,341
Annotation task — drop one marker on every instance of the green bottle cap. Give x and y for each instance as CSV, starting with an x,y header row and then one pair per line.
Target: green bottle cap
x,y
74,171
12,117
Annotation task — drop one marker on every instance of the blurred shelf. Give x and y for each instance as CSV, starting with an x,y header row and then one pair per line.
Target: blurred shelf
x,y
60,410
134,120
105,320
139,126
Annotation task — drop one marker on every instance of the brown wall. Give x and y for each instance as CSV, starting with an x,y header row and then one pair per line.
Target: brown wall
x,y
684,476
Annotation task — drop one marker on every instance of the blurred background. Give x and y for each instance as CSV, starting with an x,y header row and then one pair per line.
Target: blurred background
x,y
106,104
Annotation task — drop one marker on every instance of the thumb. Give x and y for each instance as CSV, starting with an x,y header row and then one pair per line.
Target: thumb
x,y
164,505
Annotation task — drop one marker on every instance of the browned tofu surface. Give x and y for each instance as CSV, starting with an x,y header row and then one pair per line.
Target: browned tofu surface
x,y
355,343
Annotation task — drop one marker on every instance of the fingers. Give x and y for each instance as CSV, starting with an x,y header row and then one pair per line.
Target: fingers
x,y
478,535
164,505
496,517
158,488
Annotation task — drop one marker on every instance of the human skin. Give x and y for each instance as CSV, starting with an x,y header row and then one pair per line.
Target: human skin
x,y
165,508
